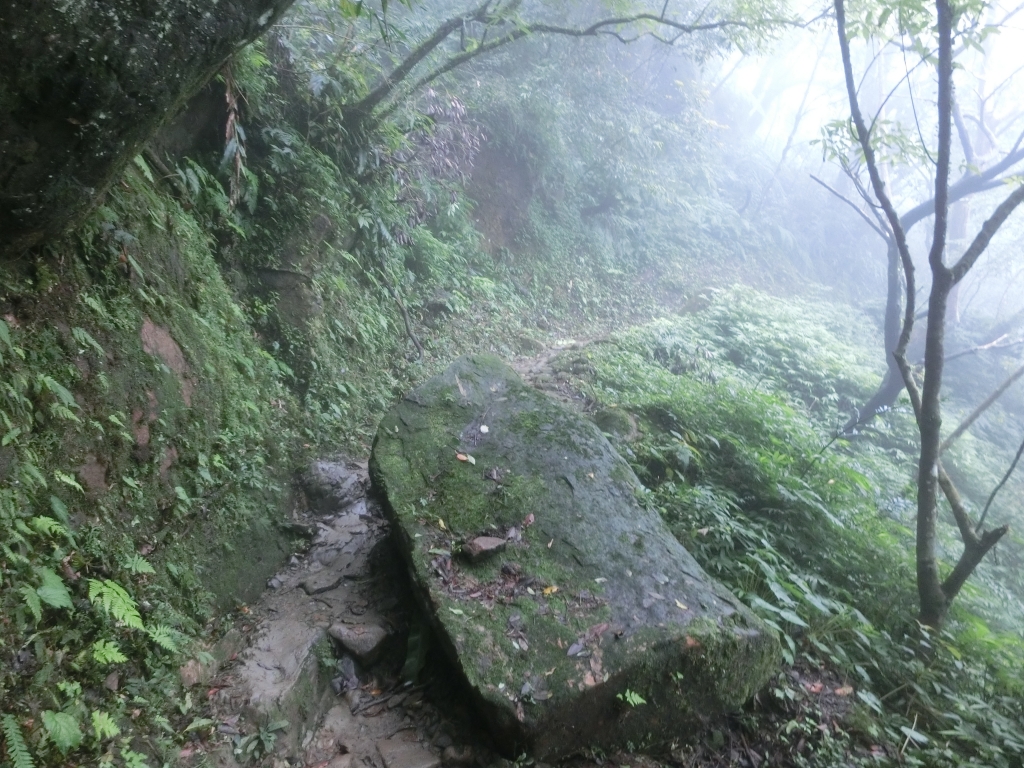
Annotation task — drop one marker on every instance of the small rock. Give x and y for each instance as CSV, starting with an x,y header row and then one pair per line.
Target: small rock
x,y
406,754
327,556
458,755
323,581
111,682
364,641
275,583
482,547
332,485
442,740
354,697
397,699
293,562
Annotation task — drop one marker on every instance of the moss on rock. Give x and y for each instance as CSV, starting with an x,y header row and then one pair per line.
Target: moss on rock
x,y
592,597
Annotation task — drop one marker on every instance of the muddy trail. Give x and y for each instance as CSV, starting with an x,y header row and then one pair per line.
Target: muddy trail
x,y
333,666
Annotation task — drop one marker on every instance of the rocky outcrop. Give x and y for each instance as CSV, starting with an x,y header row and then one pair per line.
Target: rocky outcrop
x,y
592,626
84,83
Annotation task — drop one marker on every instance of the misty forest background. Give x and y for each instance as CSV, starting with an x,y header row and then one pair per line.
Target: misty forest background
x,y
318,237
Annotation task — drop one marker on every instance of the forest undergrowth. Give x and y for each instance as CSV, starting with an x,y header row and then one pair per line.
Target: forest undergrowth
x,y
735,410
234,309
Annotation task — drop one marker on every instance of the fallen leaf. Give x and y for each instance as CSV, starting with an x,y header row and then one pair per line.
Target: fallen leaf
x,y
574,649
550,590
456,611
470,459
680,606
590,475
703,531
551,671
589,680
814,687
600,580
461,457
484,429
550,543
441,525
846,690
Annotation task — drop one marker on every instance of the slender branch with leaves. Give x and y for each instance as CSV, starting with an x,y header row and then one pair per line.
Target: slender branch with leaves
x,y
935,592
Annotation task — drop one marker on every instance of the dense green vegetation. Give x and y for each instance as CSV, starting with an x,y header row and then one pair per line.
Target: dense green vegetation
x,y
733,405
231,311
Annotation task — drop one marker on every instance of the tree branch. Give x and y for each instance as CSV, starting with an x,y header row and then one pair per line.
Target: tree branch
x,y
850,203
864,137
984,237
482,15
966,423
991,498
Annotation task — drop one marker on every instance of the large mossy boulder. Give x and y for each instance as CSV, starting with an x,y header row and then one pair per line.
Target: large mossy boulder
x,y
574,615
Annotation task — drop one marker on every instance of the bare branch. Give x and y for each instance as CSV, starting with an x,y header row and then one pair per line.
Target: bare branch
x,y
864,137
973,417
984,237
850,203
962,132
991,498
605,27
996,344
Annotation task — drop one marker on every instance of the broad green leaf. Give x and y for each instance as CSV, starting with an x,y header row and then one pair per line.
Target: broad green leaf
x,y
53,592
62,729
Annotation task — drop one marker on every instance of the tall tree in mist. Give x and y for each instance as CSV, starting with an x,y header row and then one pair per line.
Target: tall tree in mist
x,y
931,32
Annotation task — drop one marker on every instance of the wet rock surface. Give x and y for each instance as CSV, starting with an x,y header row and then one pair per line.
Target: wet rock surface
x,y
593,626
329,660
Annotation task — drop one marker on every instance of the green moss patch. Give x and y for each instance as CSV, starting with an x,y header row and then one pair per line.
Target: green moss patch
x,y
592,598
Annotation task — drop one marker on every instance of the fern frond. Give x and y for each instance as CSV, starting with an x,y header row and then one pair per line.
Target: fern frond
x,y
115,601
165,637
32,601
17,749
107,652
138,564
103,725
49,526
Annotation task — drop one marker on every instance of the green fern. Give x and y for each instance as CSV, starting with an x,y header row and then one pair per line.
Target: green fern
x,y
133,759
165,637
84,339
32,601
17,749
107,652
112,598
103,725
138,564
50,527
